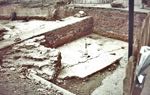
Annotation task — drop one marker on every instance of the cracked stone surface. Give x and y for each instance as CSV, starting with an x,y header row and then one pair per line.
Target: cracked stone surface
x,y
113,84
90,54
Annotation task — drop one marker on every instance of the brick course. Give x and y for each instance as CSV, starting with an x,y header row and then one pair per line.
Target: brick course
x,y
69,33
111,20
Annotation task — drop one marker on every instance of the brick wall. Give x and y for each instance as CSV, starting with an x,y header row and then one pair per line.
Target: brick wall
x,y
69,33
111,22
107,22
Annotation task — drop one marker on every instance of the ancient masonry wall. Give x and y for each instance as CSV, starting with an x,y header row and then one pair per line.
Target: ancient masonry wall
x,y
69,33
65,31
112,23
107,22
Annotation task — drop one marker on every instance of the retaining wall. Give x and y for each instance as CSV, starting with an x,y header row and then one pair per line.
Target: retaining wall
x,y
69,33
112,22
107,21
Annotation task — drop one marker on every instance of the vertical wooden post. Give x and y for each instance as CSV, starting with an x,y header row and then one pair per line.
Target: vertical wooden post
x,y
128,81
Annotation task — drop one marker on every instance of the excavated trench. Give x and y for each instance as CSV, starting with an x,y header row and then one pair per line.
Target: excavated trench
x,y
31,55
66,53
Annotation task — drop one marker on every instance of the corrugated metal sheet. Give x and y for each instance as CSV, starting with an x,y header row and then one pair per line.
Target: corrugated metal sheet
x,y
92,1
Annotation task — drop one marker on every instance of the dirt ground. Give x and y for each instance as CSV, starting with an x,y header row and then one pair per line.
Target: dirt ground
x,y
11,83
88,85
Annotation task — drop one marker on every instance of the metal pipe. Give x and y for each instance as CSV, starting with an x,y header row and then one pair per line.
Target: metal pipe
x,y
130,27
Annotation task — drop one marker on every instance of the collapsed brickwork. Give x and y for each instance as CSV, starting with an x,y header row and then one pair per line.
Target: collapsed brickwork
x,y
30,56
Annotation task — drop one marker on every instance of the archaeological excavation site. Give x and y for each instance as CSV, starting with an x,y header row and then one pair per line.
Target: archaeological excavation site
x,y
74,47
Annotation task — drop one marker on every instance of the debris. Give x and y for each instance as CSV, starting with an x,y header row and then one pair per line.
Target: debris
x,y
114,65
109,69
48,84
22,76
60,81
12,27
40,90
117,4
17,40
6,36
2,29
80,14
7,65
2,70
141,79
8,74
12,69
32,57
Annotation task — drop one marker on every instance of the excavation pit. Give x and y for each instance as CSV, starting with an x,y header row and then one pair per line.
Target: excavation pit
x,y
78,51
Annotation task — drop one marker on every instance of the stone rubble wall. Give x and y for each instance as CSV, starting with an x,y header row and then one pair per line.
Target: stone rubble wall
x,y
30,56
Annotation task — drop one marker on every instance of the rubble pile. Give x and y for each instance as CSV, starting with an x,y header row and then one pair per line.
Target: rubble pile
x,y
2,30
31,57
